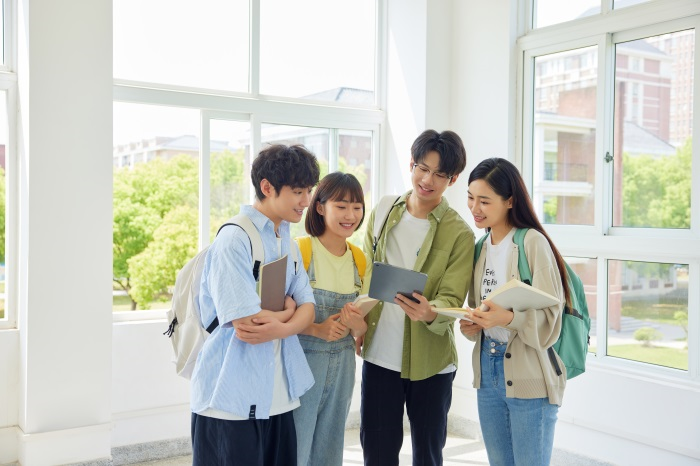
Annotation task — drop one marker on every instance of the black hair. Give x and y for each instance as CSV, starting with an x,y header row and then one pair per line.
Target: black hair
x,y
333,187
505,180
453,155
281,165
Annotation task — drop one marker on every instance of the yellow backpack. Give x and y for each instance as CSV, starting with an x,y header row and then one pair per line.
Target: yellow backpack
x,y
358,256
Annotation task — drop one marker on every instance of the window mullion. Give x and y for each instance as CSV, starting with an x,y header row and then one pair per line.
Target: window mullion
x,y
604,127
204,179
254,84
333,147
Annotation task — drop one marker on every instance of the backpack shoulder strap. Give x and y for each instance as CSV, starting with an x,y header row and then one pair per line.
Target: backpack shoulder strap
x,y
256,246
523,265
304,243
478,247
381,214
360,260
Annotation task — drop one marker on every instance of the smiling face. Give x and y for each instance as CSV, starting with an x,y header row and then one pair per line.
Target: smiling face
x,y
288,204
488,208
342,217
429,183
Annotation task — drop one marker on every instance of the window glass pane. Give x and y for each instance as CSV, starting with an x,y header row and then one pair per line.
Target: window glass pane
x,y
550,12
355,157
652,132
648,312
328,54
176,42
587,270
156,192
316,140
564,136
3,201
230,185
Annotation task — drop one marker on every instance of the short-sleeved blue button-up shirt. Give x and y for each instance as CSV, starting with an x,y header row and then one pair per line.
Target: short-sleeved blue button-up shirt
x,y
231,375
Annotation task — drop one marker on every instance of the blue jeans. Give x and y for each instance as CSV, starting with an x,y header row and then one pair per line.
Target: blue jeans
x,y
320,420
516,431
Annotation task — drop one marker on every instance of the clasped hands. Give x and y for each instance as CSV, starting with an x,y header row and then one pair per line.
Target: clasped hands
x,y
339,325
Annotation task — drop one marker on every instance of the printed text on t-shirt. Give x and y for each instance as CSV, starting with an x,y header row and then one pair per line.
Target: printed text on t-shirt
x,y
489,283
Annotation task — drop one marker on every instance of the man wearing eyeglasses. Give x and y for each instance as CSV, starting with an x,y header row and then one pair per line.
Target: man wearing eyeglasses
x,y
409,350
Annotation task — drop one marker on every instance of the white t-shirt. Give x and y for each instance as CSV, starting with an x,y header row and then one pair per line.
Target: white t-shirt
x,y
496,274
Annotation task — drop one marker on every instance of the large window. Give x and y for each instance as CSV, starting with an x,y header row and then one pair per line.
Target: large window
x,y
609,109
318,50
176,42
196,100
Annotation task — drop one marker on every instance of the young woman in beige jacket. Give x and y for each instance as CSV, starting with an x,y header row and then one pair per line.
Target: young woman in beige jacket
x,y
518,390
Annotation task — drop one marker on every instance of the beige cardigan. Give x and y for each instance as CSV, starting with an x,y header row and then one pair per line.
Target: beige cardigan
x,y
527,368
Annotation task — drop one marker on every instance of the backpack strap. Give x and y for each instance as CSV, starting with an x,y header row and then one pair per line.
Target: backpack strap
x,y
304,243
381,215
360,260
256,247
523,266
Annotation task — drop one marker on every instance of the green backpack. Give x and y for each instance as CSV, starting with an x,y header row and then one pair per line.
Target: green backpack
x,y
572,345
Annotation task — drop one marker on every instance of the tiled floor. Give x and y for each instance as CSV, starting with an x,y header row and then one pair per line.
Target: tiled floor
x,y
457,452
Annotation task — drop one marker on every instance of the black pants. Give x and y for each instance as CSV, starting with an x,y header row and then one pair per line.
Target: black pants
x,y
427,401
254,442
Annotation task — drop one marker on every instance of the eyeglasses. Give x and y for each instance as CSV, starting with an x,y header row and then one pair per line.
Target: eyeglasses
x,y
423,170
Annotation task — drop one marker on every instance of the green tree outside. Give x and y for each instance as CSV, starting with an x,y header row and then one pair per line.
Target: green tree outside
x,y
156,218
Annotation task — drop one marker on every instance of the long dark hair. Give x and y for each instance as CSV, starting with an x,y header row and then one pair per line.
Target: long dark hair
x,y
504,178
333,187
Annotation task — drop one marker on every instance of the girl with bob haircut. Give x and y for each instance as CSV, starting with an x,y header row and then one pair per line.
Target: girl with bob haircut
x,y
337,209
518,390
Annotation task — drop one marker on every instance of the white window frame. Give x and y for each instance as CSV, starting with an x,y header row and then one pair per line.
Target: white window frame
x,y
8,84
601,240
260,109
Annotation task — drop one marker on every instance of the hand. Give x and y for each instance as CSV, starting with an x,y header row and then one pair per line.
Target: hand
x,y
416,311
358,344
469,328
495,316
261,329
351,317
331,329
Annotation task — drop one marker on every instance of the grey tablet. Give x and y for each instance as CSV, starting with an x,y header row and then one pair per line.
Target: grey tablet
x,y
389,280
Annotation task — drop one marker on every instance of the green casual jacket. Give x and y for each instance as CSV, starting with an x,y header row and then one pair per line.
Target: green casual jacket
x,y
446,256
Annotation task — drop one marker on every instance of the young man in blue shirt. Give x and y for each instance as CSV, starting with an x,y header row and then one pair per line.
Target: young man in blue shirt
x,y
252,370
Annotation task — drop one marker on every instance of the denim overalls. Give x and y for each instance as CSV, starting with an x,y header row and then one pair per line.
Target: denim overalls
x,y
320,420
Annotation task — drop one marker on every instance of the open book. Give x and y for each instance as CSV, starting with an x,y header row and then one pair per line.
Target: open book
x,y
519,296
456,312
514,295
